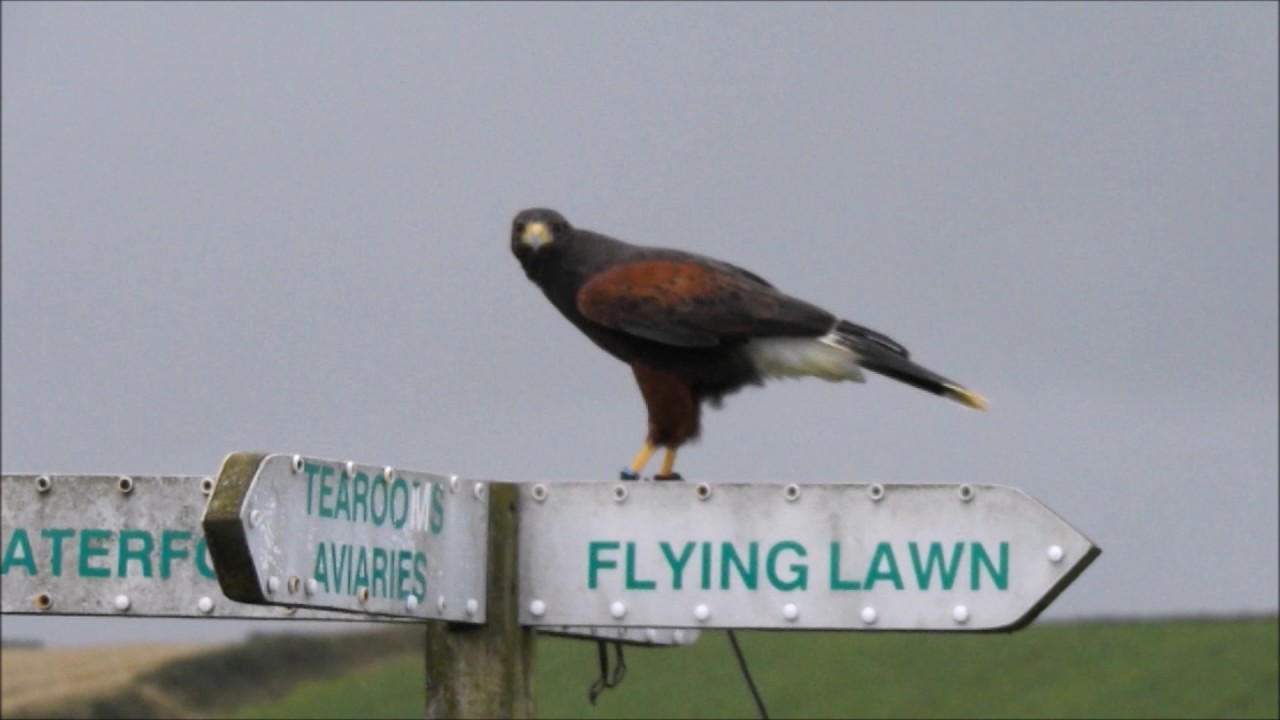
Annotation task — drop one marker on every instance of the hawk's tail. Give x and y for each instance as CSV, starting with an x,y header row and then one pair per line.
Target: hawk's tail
x,y
881,354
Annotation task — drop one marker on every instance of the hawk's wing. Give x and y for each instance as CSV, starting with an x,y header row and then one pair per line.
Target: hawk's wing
x,y
691,303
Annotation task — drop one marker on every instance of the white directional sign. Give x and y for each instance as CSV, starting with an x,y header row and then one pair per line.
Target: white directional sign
x,y
127,546
852,557
286,529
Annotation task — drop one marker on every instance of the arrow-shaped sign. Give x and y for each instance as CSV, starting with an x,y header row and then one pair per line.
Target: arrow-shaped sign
x,y
284,529
851,557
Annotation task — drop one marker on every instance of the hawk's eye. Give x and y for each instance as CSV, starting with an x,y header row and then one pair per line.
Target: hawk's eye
x,y
519,228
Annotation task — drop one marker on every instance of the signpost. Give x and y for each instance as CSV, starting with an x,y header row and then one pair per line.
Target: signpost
x,y
342,536
646,563
288,529
951,558
115,545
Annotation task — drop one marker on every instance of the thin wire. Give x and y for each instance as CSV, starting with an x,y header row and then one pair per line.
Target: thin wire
x,y
607,680
746,675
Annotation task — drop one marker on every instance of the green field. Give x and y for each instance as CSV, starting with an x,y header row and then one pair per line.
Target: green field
x,y
1167,669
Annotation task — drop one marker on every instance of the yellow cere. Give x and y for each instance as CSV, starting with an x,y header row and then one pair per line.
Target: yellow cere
x,y
536,234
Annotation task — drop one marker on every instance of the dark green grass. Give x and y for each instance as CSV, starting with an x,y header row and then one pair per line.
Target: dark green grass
x,y
387,690
1182,668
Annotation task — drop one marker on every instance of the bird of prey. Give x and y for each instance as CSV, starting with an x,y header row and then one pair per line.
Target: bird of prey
x,y
694,329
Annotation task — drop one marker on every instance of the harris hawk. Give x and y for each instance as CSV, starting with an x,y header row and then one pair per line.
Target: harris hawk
x,y
694,329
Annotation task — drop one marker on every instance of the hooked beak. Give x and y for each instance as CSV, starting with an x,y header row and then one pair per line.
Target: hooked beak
x,y
536,235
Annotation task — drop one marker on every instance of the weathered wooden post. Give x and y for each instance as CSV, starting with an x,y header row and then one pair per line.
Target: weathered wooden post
x,y
486,671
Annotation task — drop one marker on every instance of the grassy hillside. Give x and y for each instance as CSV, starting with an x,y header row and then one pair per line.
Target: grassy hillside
x,y
392,689
204,683
1184,668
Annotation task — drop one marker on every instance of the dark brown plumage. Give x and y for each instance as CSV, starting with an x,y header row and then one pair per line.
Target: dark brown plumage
x,y
694,329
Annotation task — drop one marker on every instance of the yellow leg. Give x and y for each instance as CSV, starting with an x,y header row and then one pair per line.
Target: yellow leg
x,y
668,462
642,458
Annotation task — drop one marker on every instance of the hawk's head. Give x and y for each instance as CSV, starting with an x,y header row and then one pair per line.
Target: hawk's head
x,y
537,233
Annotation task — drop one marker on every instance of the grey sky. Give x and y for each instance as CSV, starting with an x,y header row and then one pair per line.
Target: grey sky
x,y
284,227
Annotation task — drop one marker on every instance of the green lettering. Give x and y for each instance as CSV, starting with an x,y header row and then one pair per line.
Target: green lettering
x,y
346,568
169,552
360,503
142,555
729,558
837,582
379,573
706,566
376,513
595,563
632,582
57,535
326,489
437,508
403,559
337,569
883,556
311,470
924,572
677,564
321,569
978,558
17,551
92,545
204,563
342,506
420,574
800,572
399,489
362,568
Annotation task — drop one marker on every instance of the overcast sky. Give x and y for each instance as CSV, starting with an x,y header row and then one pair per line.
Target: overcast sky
x,y
284,227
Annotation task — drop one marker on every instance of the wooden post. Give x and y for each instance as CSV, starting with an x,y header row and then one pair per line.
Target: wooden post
x,y
486,671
